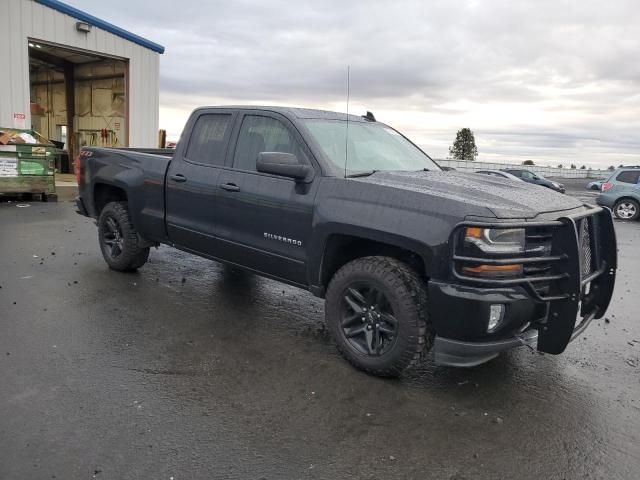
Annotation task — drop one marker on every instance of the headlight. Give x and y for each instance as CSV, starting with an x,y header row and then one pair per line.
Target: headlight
x,y
496,241
493,242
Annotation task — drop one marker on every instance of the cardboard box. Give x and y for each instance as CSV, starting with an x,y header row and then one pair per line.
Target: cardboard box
x,y
37,109
4,138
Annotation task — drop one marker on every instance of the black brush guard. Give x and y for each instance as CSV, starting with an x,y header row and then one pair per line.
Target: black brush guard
x,y
576,291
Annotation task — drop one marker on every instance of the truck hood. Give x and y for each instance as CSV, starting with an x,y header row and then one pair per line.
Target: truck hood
x,y
503,197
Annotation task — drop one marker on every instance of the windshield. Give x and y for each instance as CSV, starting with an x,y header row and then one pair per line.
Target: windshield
x,y
371,146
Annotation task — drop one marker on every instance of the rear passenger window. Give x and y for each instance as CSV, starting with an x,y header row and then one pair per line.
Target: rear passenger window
x,y
628,177
263,134
207,142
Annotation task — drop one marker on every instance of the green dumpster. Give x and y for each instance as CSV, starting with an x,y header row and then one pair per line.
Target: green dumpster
x,y
27,162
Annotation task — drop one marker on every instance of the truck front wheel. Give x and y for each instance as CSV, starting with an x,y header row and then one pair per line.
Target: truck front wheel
x,y
119,241
376,310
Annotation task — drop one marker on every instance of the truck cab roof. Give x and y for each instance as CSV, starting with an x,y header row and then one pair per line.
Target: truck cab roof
x,y
292,112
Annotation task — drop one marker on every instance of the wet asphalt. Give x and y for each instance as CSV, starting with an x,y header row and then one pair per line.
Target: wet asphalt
x,y
190,370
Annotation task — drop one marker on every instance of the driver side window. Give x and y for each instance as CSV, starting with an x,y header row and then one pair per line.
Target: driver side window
x,y
528,175
263,134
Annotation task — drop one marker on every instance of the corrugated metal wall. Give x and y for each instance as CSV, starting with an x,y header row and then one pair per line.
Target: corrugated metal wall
x,y
21,20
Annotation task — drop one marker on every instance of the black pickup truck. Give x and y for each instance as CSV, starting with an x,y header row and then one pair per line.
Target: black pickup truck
x,y
408,257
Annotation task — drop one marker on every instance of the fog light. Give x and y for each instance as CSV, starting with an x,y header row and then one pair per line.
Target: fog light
x,y
496,312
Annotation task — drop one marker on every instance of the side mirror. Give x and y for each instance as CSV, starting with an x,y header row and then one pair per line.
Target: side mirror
x,y
283,164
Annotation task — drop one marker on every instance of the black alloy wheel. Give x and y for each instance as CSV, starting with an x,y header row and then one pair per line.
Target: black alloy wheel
x,y
122,248
112,237
376,309
367,320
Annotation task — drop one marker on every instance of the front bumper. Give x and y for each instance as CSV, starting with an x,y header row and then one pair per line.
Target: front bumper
x,y
457,353
549,318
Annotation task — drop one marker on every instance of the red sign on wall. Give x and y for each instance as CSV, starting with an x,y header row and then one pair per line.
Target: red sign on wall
x,y
19,120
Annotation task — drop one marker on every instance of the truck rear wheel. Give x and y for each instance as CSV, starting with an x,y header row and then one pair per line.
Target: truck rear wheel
x,y
119,241
376,310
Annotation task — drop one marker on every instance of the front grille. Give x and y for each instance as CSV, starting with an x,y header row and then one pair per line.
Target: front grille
x,y
558,255
585,226
538,242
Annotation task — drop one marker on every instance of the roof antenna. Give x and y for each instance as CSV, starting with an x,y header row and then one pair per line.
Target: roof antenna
x,y
346,141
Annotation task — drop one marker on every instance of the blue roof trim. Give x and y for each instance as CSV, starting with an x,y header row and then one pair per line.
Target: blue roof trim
x,y
95,21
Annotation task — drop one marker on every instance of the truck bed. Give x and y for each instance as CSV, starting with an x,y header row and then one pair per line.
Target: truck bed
x,y
138,171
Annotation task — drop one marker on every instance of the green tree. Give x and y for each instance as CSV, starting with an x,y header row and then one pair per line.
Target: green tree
x,y
528,162
583,167
560,166
464,146
611,167
573,166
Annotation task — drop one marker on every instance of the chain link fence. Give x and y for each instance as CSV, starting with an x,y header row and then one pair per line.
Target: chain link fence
x,y
546,171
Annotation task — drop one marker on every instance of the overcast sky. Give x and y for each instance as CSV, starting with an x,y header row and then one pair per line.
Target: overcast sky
x,y
549,80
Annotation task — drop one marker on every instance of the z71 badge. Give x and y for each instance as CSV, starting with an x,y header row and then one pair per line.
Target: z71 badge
x,y
280,238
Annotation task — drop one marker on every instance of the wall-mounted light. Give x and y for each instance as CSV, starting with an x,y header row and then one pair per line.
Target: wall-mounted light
x,y
83,27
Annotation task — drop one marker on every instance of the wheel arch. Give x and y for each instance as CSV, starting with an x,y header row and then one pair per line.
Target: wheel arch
x,y
104,193
627,197
341,248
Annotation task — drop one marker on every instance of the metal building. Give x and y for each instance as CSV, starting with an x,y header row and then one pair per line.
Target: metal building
x,y
75,78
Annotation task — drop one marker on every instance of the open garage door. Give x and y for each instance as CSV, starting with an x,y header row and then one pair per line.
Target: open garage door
x,y
78,98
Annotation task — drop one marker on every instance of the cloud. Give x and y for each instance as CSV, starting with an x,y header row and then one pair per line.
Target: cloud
x,y
552,79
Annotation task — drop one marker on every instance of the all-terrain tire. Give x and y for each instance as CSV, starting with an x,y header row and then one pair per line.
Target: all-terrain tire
x,y
405,292
627,209
129,256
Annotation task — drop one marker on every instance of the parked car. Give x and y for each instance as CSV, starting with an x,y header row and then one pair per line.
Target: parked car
x,y
595,185
621,193
535,178
499,173
409,258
